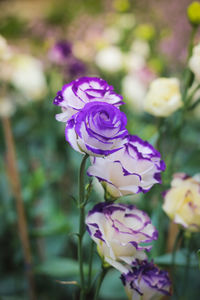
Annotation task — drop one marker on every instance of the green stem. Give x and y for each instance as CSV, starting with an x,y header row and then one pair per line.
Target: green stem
x,y
187,267
191,42
100,280
194,104
186,83
160,124
189,99
178,237
177,240
81,207
90,264
188,73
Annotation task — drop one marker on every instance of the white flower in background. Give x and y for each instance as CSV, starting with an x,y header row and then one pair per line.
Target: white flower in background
x,y
182,201
134,91
5,52
134,88
122,233
134,62
126,21
163,97
141,47
112,35
27,76
194,61
110,59
5,55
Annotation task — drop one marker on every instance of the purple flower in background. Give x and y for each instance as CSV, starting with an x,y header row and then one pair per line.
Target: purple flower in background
x,y
74,95
133,169
98,129
61,51
76,67
146,282
122,233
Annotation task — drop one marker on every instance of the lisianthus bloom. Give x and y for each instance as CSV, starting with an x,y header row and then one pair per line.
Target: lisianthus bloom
x,y
133,169
122,233
98,129
74,95
146,282
163,97
194,62
182,201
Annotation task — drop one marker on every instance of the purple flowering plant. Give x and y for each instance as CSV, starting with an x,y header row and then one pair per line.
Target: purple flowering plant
x,y
123,164
61,56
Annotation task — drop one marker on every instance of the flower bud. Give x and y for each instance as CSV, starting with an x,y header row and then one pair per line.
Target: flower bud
x,y
193,13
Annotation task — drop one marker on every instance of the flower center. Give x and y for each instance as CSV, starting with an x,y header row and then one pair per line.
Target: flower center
x,y
105,116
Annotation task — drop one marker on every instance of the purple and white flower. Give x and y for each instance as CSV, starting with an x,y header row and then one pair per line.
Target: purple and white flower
x,y
134,168
98,129
74,95
122,233
146,282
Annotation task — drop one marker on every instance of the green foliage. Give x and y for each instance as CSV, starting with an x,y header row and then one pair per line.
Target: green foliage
x,y
12,26
59,267
112,287
179,258
198,253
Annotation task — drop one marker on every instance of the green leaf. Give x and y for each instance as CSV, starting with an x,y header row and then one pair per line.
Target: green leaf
x,y
198,253
180,259
62,267
51,229
112,287
59,267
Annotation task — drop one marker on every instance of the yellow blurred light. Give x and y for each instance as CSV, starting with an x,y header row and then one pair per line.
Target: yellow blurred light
x,y
156,65
121,5
145,31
